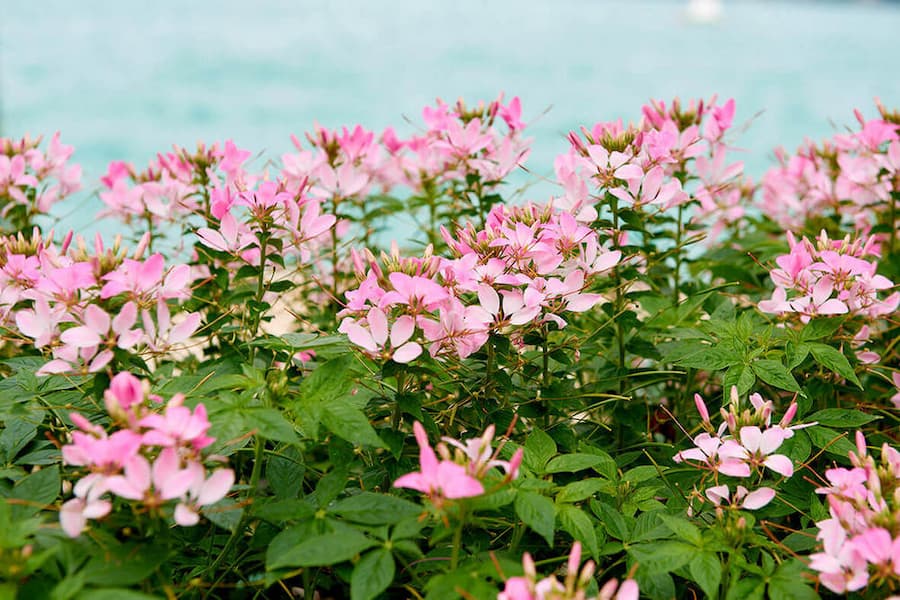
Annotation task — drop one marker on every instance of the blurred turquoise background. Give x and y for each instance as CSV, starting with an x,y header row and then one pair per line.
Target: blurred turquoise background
x,y
123,80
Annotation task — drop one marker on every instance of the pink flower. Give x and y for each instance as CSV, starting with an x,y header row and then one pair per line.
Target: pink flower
x,y
375,337
761,444
439,480
177,426
203,491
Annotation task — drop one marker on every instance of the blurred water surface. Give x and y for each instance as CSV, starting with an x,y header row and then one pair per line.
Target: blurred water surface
x,y
124,80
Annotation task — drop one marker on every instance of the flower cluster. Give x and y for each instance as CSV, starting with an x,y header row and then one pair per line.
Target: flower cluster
x,y
648,165
744,445
81,306
850,176
832,277
861,540
527,267
573,587
32,179
172,186
153,458
460,473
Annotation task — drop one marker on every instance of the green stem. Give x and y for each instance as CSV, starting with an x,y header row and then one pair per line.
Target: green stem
x,y
457,540
620,299
401,387
676,295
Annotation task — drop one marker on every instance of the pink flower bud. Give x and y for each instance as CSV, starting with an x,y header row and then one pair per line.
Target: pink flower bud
x,y
701,408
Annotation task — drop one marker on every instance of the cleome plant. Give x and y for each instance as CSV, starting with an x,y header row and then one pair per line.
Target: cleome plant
x,y
369,368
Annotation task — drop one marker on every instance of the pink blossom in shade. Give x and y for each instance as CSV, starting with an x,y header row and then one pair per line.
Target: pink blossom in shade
x,y
480,456
142,279
761,444
460,330
344,181
162,333
125,391
153,485
613,165
203,491
105,454
439,480
375,335
652,189
416,292
743,498
727,457
231,158
841,567
75,513
177,426
878,547
42,322
231,237
819,302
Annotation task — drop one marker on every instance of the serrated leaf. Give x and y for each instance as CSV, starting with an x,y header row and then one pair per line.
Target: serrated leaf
x,y
835,361
320,550
706,570
539,448
372,575
611,519
538,512
375,509
351,424
841,417
775,374
37,490
710,359
269,423
581,490
664,556
832,441
684,529
570,463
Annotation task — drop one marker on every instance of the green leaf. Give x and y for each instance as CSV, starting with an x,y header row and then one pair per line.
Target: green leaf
x,y
711,359
775,374
662,556
285,472
611,519
578,524
682,528
819,328
375,509
539,448
747,588
115,594
351,424
841,417
794,354
834,361
128,565
320,550
372,575
834,443
570,463
706,570
581,490
38,489
330,383
270,424
538,512
739,375
788,582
